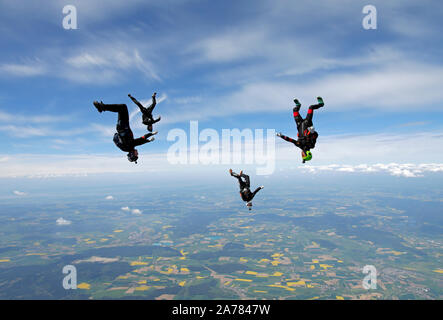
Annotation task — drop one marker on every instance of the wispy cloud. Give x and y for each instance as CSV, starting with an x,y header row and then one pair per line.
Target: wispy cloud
x,y
22,70
30,118
19,193
105,65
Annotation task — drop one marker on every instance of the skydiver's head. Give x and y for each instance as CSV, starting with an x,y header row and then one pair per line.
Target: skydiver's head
x,y
150,127
249,205
133,156
306,155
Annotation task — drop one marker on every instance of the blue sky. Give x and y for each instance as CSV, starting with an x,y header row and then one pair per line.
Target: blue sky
x,y
230,64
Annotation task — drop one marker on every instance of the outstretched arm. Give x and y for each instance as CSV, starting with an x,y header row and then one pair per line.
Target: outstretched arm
x,y
142,109
255,192
142,140
233,174
297,143
287,138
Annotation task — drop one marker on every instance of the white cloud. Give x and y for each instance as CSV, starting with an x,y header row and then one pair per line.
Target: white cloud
x,y
63,222
47,165
107,63
22,70
230,46
19,193
24,131
407,170
188,100
134,211
109,198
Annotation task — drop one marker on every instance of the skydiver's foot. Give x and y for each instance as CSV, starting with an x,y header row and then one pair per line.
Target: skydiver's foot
x,y
297,105
154,94
279,134
320,101
151,139
154,133
99,106
262,187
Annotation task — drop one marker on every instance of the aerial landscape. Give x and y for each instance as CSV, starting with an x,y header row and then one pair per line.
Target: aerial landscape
x,y
189,247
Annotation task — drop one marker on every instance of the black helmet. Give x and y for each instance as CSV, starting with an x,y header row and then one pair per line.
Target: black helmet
x,y
132,156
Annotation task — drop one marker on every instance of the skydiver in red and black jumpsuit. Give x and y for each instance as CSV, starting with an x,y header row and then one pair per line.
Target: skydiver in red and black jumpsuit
x,y
307,136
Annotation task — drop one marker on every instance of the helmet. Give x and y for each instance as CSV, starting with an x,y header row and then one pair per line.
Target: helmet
x,y
308,156
132,156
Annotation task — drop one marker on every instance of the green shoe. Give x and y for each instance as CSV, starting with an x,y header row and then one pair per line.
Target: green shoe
x,y
320,101
297,103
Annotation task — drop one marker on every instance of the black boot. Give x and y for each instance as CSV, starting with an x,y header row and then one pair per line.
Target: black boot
x,y
99,106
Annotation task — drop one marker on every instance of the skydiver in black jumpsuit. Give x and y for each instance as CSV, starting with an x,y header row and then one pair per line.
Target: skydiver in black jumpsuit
x,y
307,136
245,191
124,138
148,120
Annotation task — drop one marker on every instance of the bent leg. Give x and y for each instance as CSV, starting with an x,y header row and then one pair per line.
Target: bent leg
x,y
123,115
297,117
114,107
152,106
311,111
